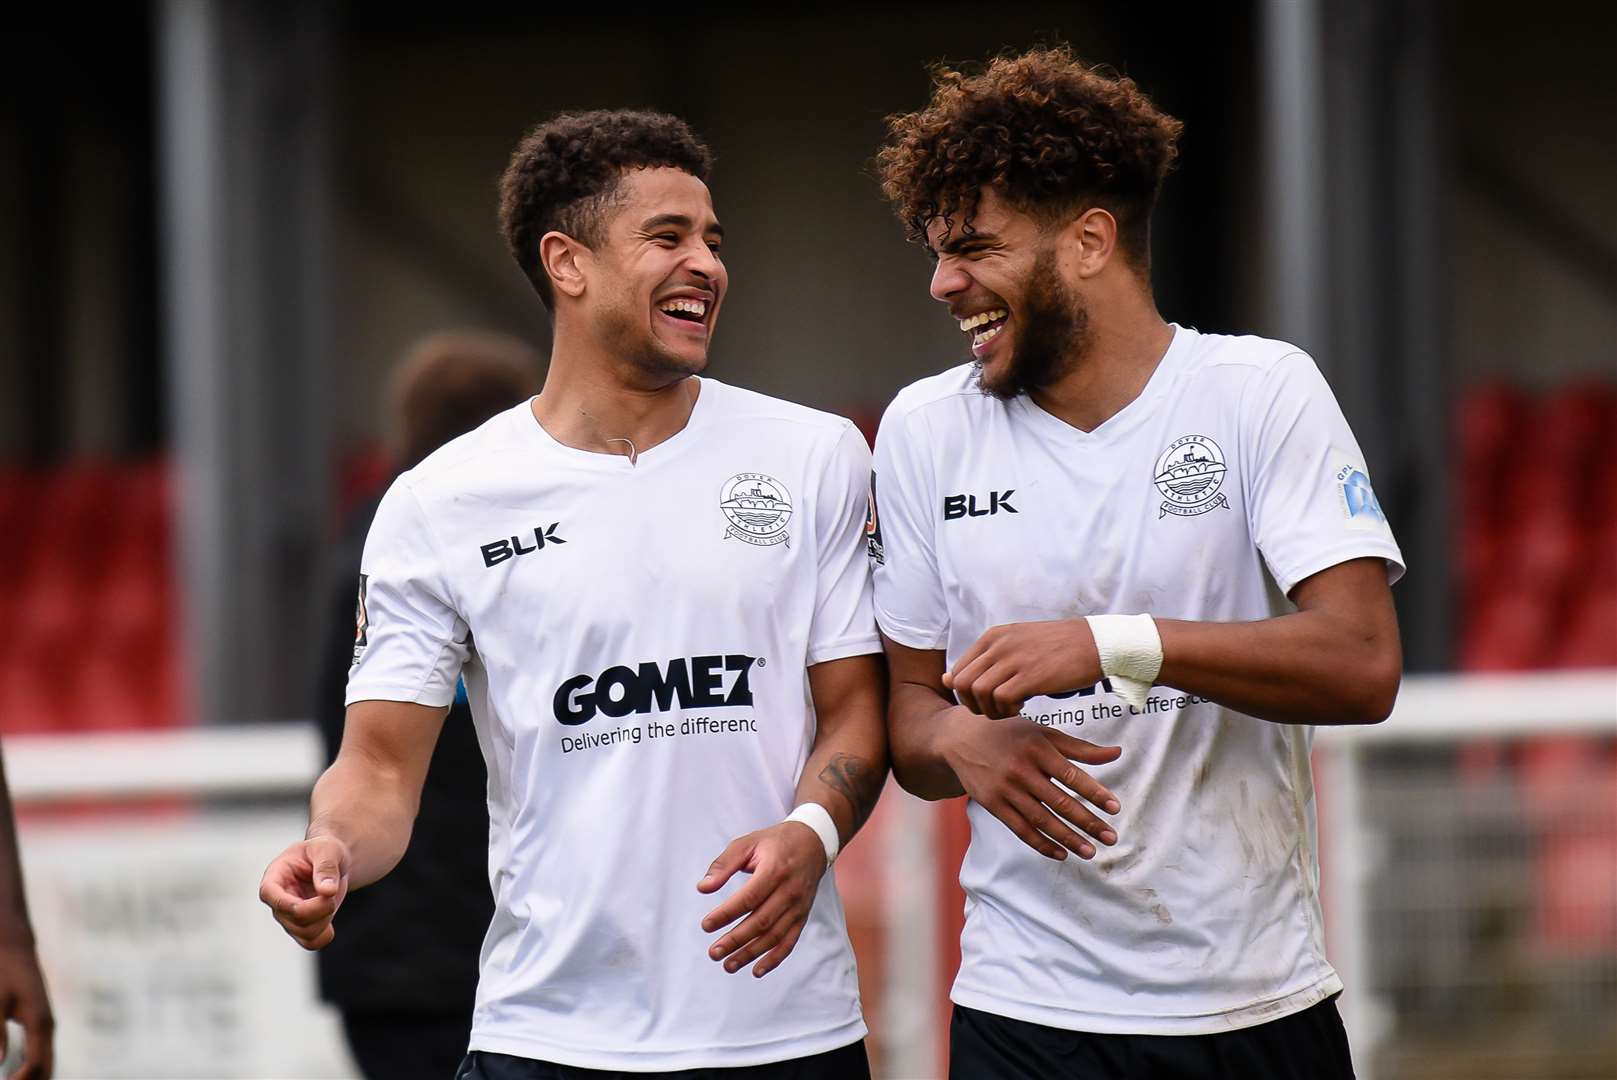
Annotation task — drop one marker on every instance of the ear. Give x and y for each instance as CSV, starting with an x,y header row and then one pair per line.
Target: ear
x,y
559,256
1093,237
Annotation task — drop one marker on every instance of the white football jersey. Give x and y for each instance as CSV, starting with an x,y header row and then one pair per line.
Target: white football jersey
x,y
635,642
1232,477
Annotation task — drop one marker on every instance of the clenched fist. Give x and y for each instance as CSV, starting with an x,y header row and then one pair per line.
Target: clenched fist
x,y
304,886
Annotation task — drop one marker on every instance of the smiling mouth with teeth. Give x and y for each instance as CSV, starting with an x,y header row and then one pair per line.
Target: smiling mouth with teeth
x,y
984,326
685,309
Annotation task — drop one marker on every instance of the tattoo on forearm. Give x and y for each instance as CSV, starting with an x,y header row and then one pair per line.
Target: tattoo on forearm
x,y
856,781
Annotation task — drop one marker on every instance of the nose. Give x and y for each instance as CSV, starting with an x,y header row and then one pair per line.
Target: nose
x,y
947,280
703,262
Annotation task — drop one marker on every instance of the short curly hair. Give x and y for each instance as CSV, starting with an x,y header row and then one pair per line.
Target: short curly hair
x,y
566,171
1051,134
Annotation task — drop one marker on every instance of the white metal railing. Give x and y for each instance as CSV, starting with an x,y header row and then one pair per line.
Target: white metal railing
x,y
249,760
1431,710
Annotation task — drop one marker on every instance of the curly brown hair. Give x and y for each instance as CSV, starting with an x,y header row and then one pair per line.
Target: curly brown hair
x,y
566,171
1053,135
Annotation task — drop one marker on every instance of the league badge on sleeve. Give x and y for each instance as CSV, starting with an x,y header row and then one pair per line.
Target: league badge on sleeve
x,y
362,621
758,508
1358,498
1189,474
873,527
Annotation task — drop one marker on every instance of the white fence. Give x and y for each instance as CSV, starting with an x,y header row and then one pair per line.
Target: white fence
x,y
142,854
1436,903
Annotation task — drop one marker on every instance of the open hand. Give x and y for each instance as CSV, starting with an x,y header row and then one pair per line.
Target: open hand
x,y
1011,768
786,862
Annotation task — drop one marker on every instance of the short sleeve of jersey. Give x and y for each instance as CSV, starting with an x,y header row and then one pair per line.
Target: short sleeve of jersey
x,y
843,624
410,642
1309,498
910,605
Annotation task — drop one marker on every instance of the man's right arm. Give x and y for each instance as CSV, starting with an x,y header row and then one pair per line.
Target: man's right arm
x,y
940,750
1010,767
915,722
360,816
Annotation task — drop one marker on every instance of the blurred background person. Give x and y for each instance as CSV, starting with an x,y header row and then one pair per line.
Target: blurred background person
x,y
403,972
22,986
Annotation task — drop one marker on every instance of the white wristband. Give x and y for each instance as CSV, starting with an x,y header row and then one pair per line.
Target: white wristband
x,y
1130,653
818,818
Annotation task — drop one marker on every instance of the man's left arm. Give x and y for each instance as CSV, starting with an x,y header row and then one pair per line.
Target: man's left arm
x,y
847,763
1336,660
845,773
847,768
1315,520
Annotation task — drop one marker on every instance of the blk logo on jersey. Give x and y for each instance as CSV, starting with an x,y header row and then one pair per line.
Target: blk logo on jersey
x,y
959,506
700,682
501,550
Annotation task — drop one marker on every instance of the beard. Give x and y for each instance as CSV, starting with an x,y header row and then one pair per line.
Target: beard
x,y
1051,335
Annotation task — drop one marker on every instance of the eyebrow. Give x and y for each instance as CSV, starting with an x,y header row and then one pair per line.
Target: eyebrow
x,y
955,243
679,221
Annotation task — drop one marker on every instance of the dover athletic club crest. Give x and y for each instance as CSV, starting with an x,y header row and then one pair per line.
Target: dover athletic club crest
x,y
758,508
1189,474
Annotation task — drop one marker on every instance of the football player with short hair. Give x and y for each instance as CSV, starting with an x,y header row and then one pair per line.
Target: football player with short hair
x,y
1111,525
655,587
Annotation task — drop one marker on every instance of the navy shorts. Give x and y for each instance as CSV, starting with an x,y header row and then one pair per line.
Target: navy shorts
x,y
1308,1045
846,1063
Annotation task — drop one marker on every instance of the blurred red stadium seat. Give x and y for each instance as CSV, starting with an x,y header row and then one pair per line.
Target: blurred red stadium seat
x,y
38,685
1534,485
29,703
1511,631
1570,421
89,597
78,512
1601,567
1486,420
1544,551
1536,536
17,517
1591,634
1601,497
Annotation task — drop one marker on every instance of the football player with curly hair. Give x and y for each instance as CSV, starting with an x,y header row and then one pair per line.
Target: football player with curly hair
x,y
1110,525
